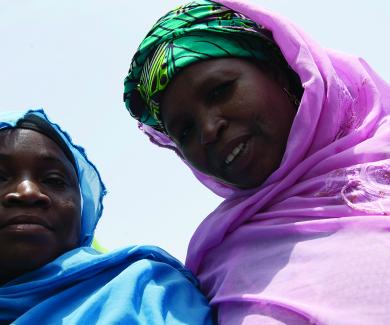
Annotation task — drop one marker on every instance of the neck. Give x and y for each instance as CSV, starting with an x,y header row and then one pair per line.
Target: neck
x,y
8,275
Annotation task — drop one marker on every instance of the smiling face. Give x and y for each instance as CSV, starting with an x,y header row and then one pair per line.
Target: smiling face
x,y
39,202
229,118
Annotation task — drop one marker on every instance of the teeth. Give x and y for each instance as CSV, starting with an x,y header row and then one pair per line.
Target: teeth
x,y
235,152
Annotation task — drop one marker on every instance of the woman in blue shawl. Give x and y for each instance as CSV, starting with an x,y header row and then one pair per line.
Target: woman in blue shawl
x,y
50,202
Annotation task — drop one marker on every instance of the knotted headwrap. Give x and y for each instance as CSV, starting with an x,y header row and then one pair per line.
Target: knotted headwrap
x,y
197,31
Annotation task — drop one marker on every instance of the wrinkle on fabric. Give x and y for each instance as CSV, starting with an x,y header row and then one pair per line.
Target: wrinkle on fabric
x,y
311,244
133,285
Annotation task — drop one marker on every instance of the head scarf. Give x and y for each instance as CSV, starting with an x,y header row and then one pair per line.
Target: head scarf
x,y
91,186
200,30
310,245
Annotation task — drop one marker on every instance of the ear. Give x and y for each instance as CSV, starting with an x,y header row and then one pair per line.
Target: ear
x,y
289,80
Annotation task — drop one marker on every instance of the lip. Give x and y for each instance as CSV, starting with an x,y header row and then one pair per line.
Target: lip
x,y
229,147
26,223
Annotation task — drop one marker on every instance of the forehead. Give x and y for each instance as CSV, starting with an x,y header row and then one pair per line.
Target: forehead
x,y
16,142
217,67
197,79
206,72
196,76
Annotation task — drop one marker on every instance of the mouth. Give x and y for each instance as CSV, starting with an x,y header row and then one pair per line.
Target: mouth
x,y
26,223
236,152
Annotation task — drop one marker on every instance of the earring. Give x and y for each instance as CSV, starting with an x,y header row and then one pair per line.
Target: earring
x,y
293,99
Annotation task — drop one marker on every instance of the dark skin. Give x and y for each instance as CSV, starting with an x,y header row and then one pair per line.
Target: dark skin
x,y
230,119
40,206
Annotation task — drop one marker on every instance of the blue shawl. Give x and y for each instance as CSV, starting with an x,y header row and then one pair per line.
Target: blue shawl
x,y
134,285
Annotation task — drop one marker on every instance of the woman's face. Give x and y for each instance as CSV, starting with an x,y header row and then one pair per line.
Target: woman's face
x,y
230,119
39,201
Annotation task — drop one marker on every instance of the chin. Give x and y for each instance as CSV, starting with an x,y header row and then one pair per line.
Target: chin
x,y
32,262
250,183
29,258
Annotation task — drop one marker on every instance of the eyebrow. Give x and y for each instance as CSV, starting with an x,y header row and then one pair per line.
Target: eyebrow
x,y
44,158
51,159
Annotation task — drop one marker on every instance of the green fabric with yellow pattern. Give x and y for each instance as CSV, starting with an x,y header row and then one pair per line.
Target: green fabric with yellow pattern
x,y
200,30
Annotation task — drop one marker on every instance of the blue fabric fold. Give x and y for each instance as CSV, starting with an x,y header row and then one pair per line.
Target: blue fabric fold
x,y
134,285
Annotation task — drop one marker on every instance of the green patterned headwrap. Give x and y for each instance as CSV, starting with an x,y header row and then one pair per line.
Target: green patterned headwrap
x,y
200,30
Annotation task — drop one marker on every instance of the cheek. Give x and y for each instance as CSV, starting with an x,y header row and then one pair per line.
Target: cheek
x,y
196,158
70,219
276,113
282,120
249,104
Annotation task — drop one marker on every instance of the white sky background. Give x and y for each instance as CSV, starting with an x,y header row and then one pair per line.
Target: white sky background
x,y
70,57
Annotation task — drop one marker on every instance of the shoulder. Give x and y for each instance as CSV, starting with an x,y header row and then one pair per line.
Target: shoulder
x,y
137,284
160,286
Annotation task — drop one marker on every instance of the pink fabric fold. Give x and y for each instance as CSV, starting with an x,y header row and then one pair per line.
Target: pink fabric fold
x,y
312,244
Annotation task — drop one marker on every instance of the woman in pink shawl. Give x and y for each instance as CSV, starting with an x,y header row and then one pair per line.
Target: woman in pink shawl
x,y
296,138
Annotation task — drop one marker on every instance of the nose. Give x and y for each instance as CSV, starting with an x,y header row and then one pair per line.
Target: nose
x,y
26,192
211,128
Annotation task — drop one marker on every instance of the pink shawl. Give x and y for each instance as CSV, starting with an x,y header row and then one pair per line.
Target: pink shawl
x,y
312,244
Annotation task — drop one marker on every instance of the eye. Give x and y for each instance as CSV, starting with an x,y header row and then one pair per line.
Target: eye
x,y
3,177
221,91
55,180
